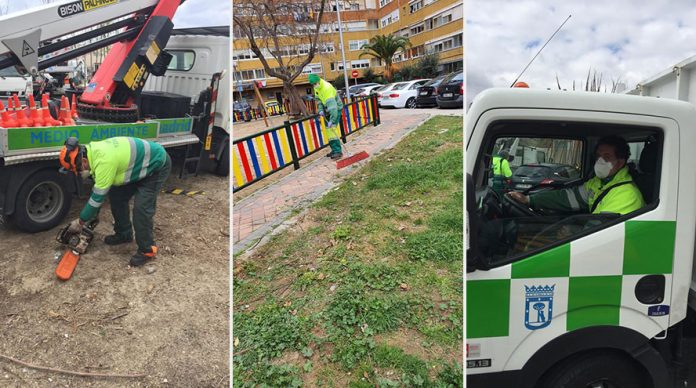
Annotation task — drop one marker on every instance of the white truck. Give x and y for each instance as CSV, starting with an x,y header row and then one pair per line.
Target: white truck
x,y
33,195
576,299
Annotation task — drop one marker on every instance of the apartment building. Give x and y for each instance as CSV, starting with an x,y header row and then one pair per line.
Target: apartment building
x,y
430,25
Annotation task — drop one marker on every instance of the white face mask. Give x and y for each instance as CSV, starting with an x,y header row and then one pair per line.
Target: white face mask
x,y
316,85
602,168
84,174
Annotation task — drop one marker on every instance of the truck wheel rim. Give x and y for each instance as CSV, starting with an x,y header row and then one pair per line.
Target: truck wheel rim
x,y
44,201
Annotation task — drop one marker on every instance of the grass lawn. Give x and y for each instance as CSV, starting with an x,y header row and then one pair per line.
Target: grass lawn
x,y
365,289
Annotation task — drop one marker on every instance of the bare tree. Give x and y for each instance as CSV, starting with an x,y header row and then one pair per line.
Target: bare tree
x,y
286,32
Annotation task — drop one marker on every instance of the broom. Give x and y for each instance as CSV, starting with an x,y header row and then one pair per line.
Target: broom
x,y
351,159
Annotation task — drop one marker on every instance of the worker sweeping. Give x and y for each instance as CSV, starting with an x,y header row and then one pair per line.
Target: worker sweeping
x,y
330,106
122,167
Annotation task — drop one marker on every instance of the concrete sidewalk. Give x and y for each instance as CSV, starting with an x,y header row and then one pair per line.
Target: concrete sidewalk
x,y
263,211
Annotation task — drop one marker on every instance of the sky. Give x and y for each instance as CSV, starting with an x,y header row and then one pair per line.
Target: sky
x,y
193,13
629,41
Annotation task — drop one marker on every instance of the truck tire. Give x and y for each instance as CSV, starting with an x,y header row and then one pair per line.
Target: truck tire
x,y
600,370
42,202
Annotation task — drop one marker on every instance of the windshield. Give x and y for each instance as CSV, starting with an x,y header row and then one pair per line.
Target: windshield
x,y
9,72
532,171
400,86
458,76
435,81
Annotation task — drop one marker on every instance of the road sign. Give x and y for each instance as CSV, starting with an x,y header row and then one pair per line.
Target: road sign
x,y
354,74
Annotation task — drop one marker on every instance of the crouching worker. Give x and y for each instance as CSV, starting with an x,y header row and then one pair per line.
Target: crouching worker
x,y
122,167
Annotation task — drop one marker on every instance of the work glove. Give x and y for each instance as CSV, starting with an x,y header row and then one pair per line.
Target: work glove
x,y
75,226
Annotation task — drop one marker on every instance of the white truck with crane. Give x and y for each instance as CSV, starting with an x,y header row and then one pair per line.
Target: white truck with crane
x,y
33,195
574,299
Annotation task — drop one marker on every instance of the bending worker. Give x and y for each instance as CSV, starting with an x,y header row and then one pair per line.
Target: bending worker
x,y
501,171
611,190
121,167
330,106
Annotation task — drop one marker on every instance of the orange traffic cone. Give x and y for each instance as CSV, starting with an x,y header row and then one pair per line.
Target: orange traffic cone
x,y
48,119
22,119
7,120
73,108
64,115
34,114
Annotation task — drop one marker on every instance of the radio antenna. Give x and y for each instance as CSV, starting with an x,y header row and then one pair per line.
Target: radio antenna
x,y
538,52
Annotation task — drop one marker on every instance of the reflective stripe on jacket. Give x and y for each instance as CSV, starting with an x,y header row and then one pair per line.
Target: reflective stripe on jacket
x,y
119,161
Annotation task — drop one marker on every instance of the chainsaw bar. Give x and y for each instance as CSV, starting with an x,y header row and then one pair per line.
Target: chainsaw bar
x,y
67,264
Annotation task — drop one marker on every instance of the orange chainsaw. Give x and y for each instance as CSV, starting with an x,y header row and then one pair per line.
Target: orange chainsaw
x,y
77,243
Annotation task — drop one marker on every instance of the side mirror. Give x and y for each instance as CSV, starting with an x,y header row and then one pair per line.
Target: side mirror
x,y
471,222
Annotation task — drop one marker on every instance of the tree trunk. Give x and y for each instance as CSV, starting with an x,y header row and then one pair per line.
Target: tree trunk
x,y
296,105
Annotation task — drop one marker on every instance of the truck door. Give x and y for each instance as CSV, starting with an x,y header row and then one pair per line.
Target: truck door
x,y
541,274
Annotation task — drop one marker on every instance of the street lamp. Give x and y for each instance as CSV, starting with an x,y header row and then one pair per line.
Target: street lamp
x,y
343,51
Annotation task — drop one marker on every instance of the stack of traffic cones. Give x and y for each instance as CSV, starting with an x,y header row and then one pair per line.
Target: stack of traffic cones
x,y
65,116
7,120
34,114
19,114
46,114
73,108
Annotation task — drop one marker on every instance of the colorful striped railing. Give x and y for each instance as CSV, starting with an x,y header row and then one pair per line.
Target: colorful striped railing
x,y
260,155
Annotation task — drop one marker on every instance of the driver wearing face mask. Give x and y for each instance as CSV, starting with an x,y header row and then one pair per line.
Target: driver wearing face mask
x,y
611,176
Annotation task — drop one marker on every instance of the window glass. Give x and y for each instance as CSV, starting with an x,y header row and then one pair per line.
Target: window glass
x,y
554,178
182,60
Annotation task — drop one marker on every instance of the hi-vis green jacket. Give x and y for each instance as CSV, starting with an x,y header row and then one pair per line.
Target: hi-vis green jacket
x,y
119,161
501,167
622,199
329,101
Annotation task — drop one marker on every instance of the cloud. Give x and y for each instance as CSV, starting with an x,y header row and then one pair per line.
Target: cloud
x,y
618,41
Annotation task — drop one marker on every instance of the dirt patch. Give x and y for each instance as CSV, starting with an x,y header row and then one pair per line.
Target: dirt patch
x,y
168,320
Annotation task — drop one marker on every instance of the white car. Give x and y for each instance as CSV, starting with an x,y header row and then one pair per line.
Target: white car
x,y
364,92
402,94
381,90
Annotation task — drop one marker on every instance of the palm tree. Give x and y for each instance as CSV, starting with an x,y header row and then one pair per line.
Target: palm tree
x,y
383,47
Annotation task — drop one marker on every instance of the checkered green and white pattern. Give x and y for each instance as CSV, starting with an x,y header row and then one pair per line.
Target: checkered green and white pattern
x,y
594,280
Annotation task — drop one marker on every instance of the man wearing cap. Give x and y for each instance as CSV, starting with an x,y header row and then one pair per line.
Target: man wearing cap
x,y
330,106
122,167
501,171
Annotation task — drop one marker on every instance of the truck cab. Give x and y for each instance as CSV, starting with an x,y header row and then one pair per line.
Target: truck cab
x,y
572,296
12,82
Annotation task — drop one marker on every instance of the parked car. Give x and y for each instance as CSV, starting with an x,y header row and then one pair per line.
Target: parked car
x,y
427,94
530,175
403,94
353,89
367,90
450,93
243,108
383,89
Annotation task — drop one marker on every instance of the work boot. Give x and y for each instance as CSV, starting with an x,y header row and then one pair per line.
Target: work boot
x,y
141,258
337,156
116,239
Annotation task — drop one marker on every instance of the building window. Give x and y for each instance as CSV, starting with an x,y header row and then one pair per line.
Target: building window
x,y
417,29
414,7
312,68
391,18
327,48
355,45
360,64
382,3
446,44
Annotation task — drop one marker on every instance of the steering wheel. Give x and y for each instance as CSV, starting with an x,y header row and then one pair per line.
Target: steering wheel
x,y
512,206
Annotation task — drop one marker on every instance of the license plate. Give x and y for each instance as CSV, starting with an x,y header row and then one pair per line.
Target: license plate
x,y
424,93
447,95
523,186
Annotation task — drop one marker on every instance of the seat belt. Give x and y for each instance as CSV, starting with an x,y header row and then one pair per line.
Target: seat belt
x,y
604,194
